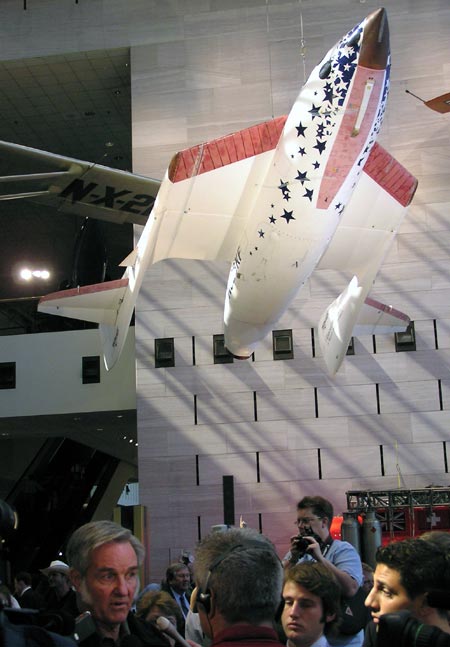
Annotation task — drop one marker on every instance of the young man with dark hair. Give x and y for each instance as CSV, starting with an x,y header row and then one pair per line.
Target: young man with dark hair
x,y
405,575
311,598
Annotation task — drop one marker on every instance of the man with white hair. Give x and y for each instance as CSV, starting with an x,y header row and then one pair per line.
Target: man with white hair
x,y
104,561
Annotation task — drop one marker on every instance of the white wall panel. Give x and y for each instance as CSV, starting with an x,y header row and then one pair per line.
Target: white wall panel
x,y
409,396
430,426
360,461
347,401
242,466
49,375
159,410
289,466
287,404
411,459
236,407
380,429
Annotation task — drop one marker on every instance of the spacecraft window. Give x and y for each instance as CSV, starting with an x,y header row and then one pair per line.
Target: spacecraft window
x,y
325,70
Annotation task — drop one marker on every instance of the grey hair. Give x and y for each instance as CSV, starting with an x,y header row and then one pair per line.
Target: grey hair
x,y
94,534
243,570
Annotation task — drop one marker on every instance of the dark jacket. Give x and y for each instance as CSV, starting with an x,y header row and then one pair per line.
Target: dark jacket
x,y
145,632
30,636
29,600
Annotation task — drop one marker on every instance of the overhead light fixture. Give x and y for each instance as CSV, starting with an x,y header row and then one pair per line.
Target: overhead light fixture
x,y
27,275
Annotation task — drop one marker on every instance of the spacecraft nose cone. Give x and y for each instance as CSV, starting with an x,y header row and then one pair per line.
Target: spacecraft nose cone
x,y
375,43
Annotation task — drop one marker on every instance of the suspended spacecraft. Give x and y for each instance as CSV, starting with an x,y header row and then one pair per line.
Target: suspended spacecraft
x,y
278,200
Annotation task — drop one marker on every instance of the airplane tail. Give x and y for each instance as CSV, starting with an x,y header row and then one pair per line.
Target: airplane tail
x,y
352,313
100,303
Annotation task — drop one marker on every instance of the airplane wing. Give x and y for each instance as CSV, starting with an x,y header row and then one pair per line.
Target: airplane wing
x,y
75,186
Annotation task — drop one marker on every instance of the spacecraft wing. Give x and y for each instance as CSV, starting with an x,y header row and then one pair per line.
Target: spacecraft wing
x,y
359,246
379,318
96,303
75,186
209,191
373,215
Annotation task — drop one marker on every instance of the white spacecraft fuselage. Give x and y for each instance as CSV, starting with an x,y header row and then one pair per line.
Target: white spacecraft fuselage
x,y
326,140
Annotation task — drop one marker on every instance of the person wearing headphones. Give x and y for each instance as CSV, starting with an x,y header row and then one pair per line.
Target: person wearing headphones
x,y
239,578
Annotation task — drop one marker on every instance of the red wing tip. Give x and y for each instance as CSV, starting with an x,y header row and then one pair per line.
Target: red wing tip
x,y
388,309
86,289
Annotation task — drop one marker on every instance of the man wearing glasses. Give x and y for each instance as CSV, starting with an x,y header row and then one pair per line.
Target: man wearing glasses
x,y
314,543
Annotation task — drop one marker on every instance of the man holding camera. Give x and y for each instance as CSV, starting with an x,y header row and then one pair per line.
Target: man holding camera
x,y
408,575
314,543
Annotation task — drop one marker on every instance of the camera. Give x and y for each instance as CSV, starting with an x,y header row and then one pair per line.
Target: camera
x,y
402,630
300,546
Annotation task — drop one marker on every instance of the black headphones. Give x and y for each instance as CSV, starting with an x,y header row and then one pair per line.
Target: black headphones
x,y
204,597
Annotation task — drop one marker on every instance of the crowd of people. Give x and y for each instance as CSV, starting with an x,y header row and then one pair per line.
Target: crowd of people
x,y
237,592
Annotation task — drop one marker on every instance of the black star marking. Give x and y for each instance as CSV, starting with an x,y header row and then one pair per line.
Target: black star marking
x,y
302,177
314,112
301,130
309,194
316,165
283,185
272,220
320,129
286,196
329,96
261,233
302,151
320,146
287,215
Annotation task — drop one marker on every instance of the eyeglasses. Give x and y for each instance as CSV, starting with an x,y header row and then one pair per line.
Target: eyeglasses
x,y
305,521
